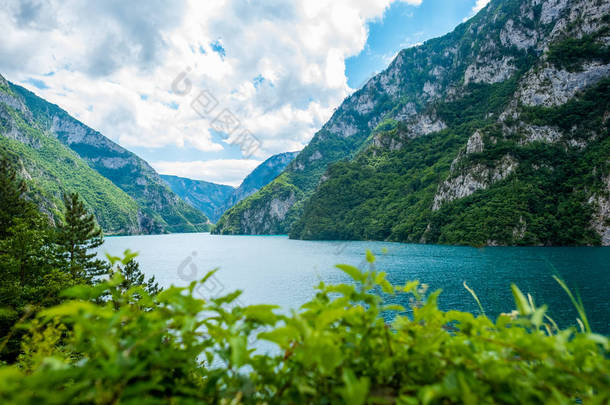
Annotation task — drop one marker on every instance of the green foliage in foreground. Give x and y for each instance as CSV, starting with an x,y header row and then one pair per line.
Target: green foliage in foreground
x,y
176,348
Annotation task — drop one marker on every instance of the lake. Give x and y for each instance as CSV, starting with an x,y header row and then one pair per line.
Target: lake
x,y
277,270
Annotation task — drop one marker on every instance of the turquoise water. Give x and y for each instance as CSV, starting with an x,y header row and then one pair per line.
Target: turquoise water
x,y
276,270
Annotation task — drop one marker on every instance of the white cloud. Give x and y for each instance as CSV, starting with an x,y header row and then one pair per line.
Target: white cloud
x,y
480,4
282,72
223,171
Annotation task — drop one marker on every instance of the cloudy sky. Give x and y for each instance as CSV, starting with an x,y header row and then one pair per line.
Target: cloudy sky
x,y
184,83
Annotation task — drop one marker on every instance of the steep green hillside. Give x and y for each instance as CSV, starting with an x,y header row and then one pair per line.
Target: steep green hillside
x,y
544,200
51,170
160,210
265,212
262,175
492,134
207,197
406,91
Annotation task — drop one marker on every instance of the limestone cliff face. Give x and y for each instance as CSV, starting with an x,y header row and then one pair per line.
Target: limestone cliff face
x,y
601,217
546,84
265,219
502,83
267,215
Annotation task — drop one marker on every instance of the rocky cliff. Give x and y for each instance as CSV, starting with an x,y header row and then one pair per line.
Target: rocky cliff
x,y
493,134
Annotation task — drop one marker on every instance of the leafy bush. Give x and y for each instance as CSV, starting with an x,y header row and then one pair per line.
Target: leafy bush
x,y
337,348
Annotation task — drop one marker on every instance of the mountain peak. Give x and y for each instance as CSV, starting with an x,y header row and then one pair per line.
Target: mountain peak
x,y
428,150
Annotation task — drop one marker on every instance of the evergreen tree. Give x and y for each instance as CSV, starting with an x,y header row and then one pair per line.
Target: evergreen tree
x,y
25,245
133,276
77,236
30,276
12,197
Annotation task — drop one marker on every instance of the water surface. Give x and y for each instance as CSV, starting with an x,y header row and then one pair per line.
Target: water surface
x,y
277,270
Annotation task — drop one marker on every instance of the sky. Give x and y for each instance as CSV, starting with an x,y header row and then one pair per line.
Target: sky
x,y
210,89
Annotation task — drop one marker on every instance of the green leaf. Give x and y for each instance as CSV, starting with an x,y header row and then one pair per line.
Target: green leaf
x,y
355,390
352,271
112,259
128,256
282,336
538,316
387,287
329,316
410,286
261,313
239,350
474,295
577,302
523,305
600,339
393,307
370,257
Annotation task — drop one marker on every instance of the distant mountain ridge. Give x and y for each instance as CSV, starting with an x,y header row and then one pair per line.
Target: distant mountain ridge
x,y
494,134
205,196
262,175
214,199
57,153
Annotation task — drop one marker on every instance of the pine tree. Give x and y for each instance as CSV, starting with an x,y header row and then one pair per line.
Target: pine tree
x,y
13,204
24,232
77,236
133,276
29,277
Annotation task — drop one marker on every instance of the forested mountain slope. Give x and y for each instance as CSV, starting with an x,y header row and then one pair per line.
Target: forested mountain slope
x,y
262,175
493,134
207,197
57,153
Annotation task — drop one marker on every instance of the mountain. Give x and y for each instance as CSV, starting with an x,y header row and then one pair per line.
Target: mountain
x,y
214,199
262,175
494,134
57,153
206,197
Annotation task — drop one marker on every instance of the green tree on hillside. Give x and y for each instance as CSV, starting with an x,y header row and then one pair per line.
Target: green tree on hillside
x,y
30,275
77,236
12,202
25,248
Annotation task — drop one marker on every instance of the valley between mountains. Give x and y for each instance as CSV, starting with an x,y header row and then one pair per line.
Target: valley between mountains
x,y
494,134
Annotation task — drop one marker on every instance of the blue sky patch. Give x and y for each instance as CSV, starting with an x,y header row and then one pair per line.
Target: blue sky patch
x,y
218,48
39,84
403,25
